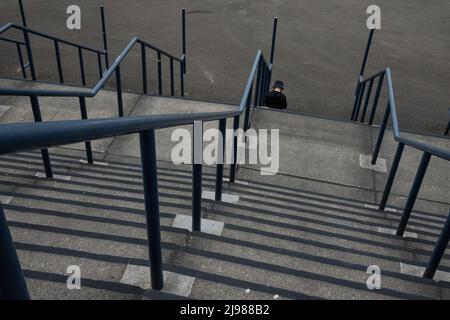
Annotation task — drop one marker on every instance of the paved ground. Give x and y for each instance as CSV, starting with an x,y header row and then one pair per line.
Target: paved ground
x,y
320,47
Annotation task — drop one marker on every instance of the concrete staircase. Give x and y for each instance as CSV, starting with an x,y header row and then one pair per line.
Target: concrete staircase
x,y
309,232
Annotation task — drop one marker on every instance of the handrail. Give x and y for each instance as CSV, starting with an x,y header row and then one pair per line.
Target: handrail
x,y
427,149
25,136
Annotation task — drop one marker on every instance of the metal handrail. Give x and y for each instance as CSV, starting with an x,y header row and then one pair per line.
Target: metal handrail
x,y
25,136
427,149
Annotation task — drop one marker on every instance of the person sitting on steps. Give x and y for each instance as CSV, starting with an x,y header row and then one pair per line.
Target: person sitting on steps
x,y
276,98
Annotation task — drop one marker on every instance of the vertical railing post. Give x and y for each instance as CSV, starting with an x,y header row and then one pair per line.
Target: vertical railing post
x,y
233,166
12,281
392,173
119,91
26,37
183,36
366,52
80,57
413,193
375,99
439,250
355,102
258,83
376,151
58,61
246,124
366,103
182,76
197,167
272,49
100,67
448,128
38,118
172,84
84,116
144,69
220,158
359,100
159,74
22,64
105,38
22,14
150,182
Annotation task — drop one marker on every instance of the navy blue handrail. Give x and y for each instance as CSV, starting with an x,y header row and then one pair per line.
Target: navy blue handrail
x,y
427,149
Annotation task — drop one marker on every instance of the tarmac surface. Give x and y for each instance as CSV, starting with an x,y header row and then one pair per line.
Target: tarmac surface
x,y
319,48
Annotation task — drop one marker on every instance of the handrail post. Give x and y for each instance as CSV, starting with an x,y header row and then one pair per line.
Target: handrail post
x,y
22,14
359,100
233,166
183,36
366,103
272,50
220,158
119,91
375,99
22,64
355,102
364,62
182,76
258,83
100,67
246,124
80,58
438,251
392,173
38,118
105,40
376,151
12,281
413,193
26,37
84,116
58,61
172,84
197,167
144,68
150,183
159,73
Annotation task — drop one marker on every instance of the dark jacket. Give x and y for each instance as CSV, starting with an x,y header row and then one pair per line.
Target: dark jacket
x,y
275,99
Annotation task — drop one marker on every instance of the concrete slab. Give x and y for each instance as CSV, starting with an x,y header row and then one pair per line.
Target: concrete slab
x,y
5,199
208,226
148,105
174,283
435,186
365,161
318,149
226,197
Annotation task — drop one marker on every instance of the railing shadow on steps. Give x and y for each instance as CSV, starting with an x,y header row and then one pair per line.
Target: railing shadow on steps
x,y
359,112
83,93
28,136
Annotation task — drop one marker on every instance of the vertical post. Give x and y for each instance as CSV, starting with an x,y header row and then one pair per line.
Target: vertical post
x,y
29,54
197,176
272,50
182,75
355,102
360,97
233,166
12,282
58,61
22,64
144,69
38,118
258,83
105,40
150,182
413,193
448,128
80,57
172,85
366,103
375,100
376,151
392,173
100,67
22,14
119,91
183,31
159,74
84,116
246,124
438,251
220,158
366,53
